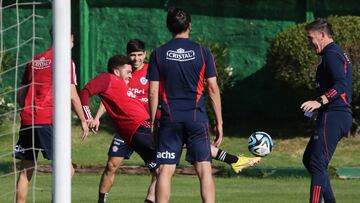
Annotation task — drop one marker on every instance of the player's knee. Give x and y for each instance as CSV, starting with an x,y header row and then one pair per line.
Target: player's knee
x,y
112,166
203,167
26,175
166,170
315,166
72,171
27,169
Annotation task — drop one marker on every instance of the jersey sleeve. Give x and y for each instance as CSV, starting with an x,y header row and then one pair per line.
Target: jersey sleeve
x,y
95,86
153,69
337,69
210,70
73,73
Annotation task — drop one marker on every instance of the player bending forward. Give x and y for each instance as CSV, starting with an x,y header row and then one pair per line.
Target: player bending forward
x,y
128,115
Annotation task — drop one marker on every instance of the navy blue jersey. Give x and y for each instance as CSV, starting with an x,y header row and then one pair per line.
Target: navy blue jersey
x,y
334,78
181,67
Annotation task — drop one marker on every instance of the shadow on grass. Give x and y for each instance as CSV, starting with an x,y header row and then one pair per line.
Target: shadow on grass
x,y
274,172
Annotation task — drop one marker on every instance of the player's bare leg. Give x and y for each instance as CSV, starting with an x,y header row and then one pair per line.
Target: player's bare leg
x,y
151,190
163,184
27,170
108,177
207,187
72,172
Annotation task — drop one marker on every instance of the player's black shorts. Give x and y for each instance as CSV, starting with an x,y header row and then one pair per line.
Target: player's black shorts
x,y
33,139
119,148
142,143
172,136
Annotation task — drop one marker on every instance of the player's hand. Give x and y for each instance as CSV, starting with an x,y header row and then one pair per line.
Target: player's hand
x,y
85,128
310,106
218,130
94,125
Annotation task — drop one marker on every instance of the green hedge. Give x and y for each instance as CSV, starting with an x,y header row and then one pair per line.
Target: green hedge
x,y
292,59
6,91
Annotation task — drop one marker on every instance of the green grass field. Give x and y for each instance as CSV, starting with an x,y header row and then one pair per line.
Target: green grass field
x,y
132,188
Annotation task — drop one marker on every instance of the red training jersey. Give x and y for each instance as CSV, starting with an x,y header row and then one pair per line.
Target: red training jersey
x,y
139,85
125,110
39,100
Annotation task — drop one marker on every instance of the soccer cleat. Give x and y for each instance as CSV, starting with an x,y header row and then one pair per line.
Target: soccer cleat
x,y
244,162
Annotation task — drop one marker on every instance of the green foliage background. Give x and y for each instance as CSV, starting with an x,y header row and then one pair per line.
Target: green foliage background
x,y
6,91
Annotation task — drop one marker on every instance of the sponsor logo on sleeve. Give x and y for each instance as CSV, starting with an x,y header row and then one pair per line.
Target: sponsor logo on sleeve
x,y
180,55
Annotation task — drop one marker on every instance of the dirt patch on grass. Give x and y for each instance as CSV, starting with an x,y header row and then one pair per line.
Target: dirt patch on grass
x,y
129,169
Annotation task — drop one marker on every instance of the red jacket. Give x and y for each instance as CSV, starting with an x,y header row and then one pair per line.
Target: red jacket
x,y
39,100
125,111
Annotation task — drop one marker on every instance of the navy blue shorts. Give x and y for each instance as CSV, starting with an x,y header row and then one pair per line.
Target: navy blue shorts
x,y
34,139
142,143
173,135
118,148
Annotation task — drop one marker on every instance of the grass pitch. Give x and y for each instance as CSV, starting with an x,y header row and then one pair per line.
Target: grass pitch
x,y
132,188
185,189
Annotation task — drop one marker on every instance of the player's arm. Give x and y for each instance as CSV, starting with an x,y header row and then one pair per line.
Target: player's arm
x,y
335,65
77,108
95,86
336,68
214,94
153,76
96,122
153,99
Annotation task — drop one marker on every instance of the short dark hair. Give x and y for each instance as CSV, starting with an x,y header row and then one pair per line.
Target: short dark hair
x,y
178,20
320,25
116,61
135,45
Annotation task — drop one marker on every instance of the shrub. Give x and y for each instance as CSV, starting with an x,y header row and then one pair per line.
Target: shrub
x,y
5,100
292,59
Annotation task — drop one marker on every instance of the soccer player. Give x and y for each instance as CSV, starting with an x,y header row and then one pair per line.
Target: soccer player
x,y
334,120
129,117
35,97
177,72
138,84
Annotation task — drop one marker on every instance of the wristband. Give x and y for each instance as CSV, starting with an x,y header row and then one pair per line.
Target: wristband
x,y
320,100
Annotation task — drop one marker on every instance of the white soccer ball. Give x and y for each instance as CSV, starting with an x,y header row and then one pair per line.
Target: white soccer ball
x,y
260,143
